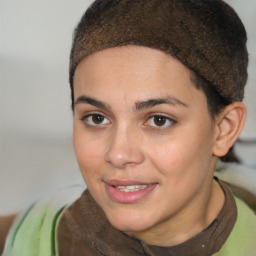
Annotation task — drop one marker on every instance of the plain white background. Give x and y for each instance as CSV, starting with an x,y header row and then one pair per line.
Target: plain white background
x,y
36,154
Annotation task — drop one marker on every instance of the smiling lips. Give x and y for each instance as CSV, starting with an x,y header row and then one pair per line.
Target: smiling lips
x,y
132,188
128,192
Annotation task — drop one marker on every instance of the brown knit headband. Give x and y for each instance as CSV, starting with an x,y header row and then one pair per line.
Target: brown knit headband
x,y
207,36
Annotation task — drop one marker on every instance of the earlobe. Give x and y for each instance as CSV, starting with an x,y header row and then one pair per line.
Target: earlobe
x,y
229,125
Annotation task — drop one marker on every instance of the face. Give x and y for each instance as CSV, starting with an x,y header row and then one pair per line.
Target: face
x,y
143,137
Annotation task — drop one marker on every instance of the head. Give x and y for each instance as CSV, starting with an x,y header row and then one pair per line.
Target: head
x,y
156,88
206,36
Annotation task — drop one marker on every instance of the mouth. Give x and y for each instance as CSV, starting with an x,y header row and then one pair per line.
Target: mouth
x,y
132,188
128,191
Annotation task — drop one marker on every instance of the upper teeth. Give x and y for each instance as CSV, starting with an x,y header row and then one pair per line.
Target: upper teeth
x,y
132,188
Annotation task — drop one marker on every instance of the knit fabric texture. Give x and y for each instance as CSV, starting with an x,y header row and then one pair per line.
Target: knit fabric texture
x,y
207,36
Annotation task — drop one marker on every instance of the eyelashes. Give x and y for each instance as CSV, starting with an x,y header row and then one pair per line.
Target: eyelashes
x,y
95,119
155,121
160,121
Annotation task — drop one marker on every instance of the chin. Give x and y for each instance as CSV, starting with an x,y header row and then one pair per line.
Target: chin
x,y
129,222
133,228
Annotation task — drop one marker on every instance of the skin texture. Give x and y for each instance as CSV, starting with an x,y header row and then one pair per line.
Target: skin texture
x,y
127,143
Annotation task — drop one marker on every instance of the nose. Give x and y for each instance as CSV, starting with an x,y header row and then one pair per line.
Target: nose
x,y
124,148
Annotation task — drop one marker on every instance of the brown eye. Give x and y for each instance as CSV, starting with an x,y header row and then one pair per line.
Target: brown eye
x,y
95,120
159,120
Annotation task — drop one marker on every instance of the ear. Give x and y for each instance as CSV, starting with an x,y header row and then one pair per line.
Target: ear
x,y
229,124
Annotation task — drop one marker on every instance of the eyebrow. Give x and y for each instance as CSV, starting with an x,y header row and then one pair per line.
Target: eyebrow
x,y
88,100
138,105
154,102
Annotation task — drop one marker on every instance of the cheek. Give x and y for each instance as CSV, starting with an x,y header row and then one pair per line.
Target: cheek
x,y
86,152
182,152
168,156
89,153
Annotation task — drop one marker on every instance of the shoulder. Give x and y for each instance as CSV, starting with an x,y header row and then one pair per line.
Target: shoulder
x,y
242,239
33,231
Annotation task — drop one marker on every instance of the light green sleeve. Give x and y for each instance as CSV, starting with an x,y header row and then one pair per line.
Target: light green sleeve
x,y
242,240
34,231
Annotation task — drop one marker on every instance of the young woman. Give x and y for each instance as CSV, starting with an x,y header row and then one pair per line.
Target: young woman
x,y
156,89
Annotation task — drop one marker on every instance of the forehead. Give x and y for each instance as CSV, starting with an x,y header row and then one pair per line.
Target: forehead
x,y
133,59
134,73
